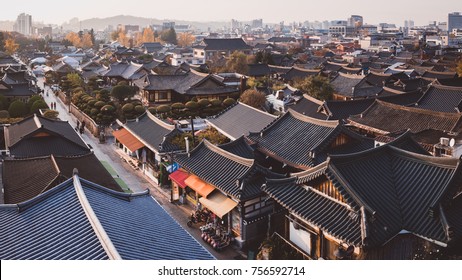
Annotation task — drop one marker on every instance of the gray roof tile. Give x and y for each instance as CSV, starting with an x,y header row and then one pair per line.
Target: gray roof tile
x,y
239,120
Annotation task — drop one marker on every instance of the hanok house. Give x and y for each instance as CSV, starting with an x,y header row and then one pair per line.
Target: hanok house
x,y
341,110
230,187
24,179
18,86
80,220
441,99
407,204
123,71
239,119
37,136
295,142
164,89
210,47
383,118
146,139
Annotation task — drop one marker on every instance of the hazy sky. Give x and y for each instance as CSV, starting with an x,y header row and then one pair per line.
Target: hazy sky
x,y
271,11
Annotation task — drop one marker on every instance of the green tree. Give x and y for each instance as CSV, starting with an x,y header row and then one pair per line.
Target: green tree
x,y
316,86
39,104
121,92
17,109
169,36
75,80
253,98
51,114
31,100
237,62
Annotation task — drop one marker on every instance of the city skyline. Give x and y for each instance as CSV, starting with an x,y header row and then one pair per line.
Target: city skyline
x,y
206,10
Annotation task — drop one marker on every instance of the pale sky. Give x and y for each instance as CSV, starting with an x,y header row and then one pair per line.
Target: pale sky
x,y
271,11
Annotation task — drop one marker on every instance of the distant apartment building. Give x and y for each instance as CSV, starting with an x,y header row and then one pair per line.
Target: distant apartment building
x,y
257,23
454,21
355,21
23,24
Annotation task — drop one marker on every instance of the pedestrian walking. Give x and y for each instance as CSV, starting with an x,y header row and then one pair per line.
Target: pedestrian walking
x,y
82,127
77,126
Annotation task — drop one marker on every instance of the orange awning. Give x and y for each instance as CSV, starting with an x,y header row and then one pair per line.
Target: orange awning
x,y
218,203
127,139
179,177
199,186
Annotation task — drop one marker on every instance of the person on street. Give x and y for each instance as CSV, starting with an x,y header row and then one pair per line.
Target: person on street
x,y
82,127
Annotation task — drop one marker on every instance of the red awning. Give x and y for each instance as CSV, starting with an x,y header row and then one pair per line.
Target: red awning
x,y
179,176
128,140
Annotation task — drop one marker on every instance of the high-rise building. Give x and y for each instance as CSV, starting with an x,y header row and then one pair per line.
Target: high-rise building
x,y
454,21
355,21
23,24
257,23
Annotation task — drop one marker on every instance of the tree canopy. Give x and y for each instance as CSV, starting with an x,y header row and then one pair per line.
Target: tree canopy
x,y
253,98
169,36
121,92
316,86
237,62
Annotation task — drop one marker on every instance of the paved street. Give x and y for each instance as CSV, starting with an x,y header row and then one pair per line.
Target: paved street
x,y
135,179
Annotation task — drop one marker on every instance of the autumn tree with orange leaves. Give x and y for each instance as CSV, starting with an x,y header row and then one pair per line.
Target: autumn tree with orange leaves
x,y
10,46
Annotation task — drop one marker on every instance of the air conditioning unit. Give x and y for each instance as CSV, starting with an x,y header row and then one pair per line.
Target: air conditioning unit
x,y
444,141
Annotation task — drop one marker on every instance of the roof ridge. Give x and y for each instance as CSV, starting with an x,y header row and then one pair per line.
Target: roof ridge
x,y
312,99
159,121
231,156
351,76
439,86
418,110
98,228
305,118
255,109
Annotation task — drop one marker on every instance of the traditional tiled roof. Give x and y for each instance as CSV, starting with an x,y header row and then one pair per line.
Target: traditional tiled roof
x,y
439,75
152,132
239,147
329,66
282,40
339,110
441,99
299,73
383,118
316,209
63,68
344,84
189,83
56,137
409,84
310,107
297,140
20,90
80,220
151,47
125,70
240,119
258,70
23,179
218,44
222,169
396,196
455,82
